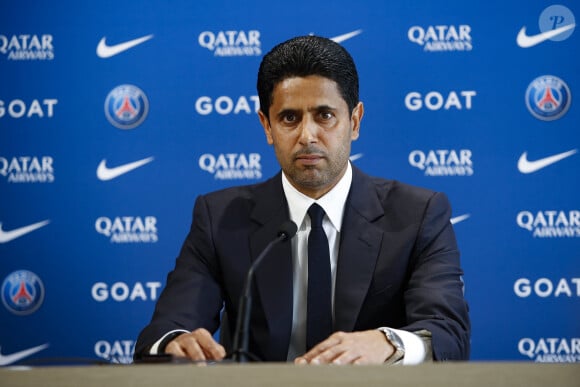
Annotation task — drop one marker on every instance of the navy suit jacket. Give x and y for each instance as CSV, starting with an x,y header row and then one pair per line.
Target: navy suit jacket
x,y
398,266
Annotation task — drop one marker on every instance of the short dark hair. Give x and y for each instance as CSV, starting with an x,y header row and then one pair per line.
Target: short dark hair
x,y
303,56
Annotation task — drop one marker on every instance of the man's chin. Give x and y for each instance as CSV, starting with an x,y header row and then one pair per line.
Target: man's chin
x,y
310,178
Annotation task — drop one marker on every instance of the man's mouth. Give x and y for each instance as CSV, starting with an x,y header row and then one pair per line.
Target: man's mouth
x,y
309,159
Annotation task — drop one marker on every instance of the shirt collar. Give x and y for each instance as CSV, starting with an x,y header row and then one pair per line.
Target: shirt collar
x,y
332,202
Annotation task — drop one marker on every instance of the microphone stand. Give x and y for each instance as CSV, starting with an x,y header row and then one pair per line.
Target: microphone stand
x,y
242,336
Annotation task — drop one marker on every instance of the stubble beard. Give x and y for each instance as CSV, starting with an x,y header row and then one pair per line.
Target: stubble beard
x,y
316,177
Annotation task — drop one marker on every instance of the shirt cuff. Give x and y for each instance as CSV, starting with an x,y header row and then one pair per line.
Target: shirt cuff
x,y
155,347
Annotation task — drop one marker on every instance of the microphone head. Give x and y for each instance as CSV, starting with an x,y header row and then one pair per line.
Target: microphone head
x,y
287,230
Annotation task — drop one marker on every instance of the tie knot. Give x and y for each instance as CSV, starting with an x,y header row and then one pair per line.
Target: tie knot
x,y
316,214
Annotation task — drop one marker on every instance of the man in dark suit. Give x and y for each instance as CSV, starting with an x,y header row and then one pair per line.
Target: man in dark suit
x,y
388,287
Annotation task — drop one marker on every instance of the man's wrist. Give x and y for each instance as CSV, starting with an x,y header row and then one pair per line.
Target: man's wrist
x,y
167,340
159,346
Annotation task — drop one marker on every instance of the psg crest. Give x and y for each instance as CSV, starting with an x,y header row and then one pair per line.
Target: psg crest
x,y
548,98
126,106
22,292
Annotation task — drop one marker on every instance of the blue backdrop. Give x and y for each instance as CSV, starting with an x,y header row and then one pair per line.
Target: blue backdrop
x,y
114,116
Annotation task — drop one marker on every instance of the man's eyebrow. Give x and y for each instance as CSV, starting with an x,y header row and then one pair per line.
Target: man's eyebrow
x,y
283,112
312,109
322,108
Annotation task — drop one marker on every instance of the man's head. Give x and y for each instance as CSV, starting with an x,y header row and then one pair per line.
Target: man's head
x,y
303,56
311,112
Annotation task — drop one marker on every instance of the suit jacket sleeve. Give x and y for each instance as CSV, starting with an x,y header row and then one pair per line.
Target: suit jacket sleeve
x,y
192,297
434,296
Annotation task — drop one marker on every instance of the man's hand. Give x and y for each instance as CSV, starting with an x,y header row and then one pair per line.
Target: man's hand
x,y
197,345
366,347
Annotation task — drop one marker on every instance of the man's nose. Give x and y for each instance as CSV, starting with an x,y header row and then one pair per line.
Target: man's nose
x,y
308,131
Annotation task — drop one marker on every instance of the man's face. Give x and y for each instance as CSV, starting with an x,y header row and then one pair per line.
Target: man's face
x,y
311,130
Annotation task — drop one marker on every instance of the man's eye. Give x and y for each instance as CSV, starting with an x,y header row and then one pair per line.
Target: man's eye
x,y
290,117
326,115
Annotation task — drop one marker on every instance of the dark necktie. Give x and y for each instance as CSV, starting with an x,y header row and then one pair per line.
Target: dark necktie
x,y
319,308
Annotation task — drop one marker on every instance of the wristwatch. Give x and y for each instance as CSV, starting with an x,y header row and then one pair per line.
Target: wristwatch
x,y
396,341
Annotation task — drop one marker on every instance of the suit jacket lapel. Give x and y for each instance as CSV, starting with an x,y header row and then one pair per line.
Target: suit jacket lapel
x,y
274,275
359,249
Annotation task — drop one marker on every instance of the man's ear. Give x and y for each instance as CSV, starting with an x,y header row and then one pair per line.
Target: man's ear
x,y
355,119
266,125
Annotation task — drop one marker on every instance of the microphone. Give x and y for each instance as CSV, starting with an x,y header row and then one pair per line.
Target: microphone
x,y
241,338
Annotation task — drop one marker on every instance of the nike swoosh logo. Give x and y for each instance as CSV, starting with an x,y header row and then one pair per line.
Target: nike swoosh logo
x,y
104,173
525,166
526,41
460,218
356,156
343,37
7,236
106,51
16,356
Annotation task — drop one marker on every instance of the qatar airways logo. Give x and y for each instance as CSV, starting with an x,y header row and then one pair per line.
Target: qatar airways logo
x,y
232,166
27,169
550,224
225,105
128,229
121,291
551,349
443,162
117,351
27,47
231,43
442,37
545,287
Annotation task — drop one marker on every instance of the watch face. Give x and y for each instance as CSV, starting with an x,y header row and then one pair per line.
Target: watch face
x,y
396,342
394,339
